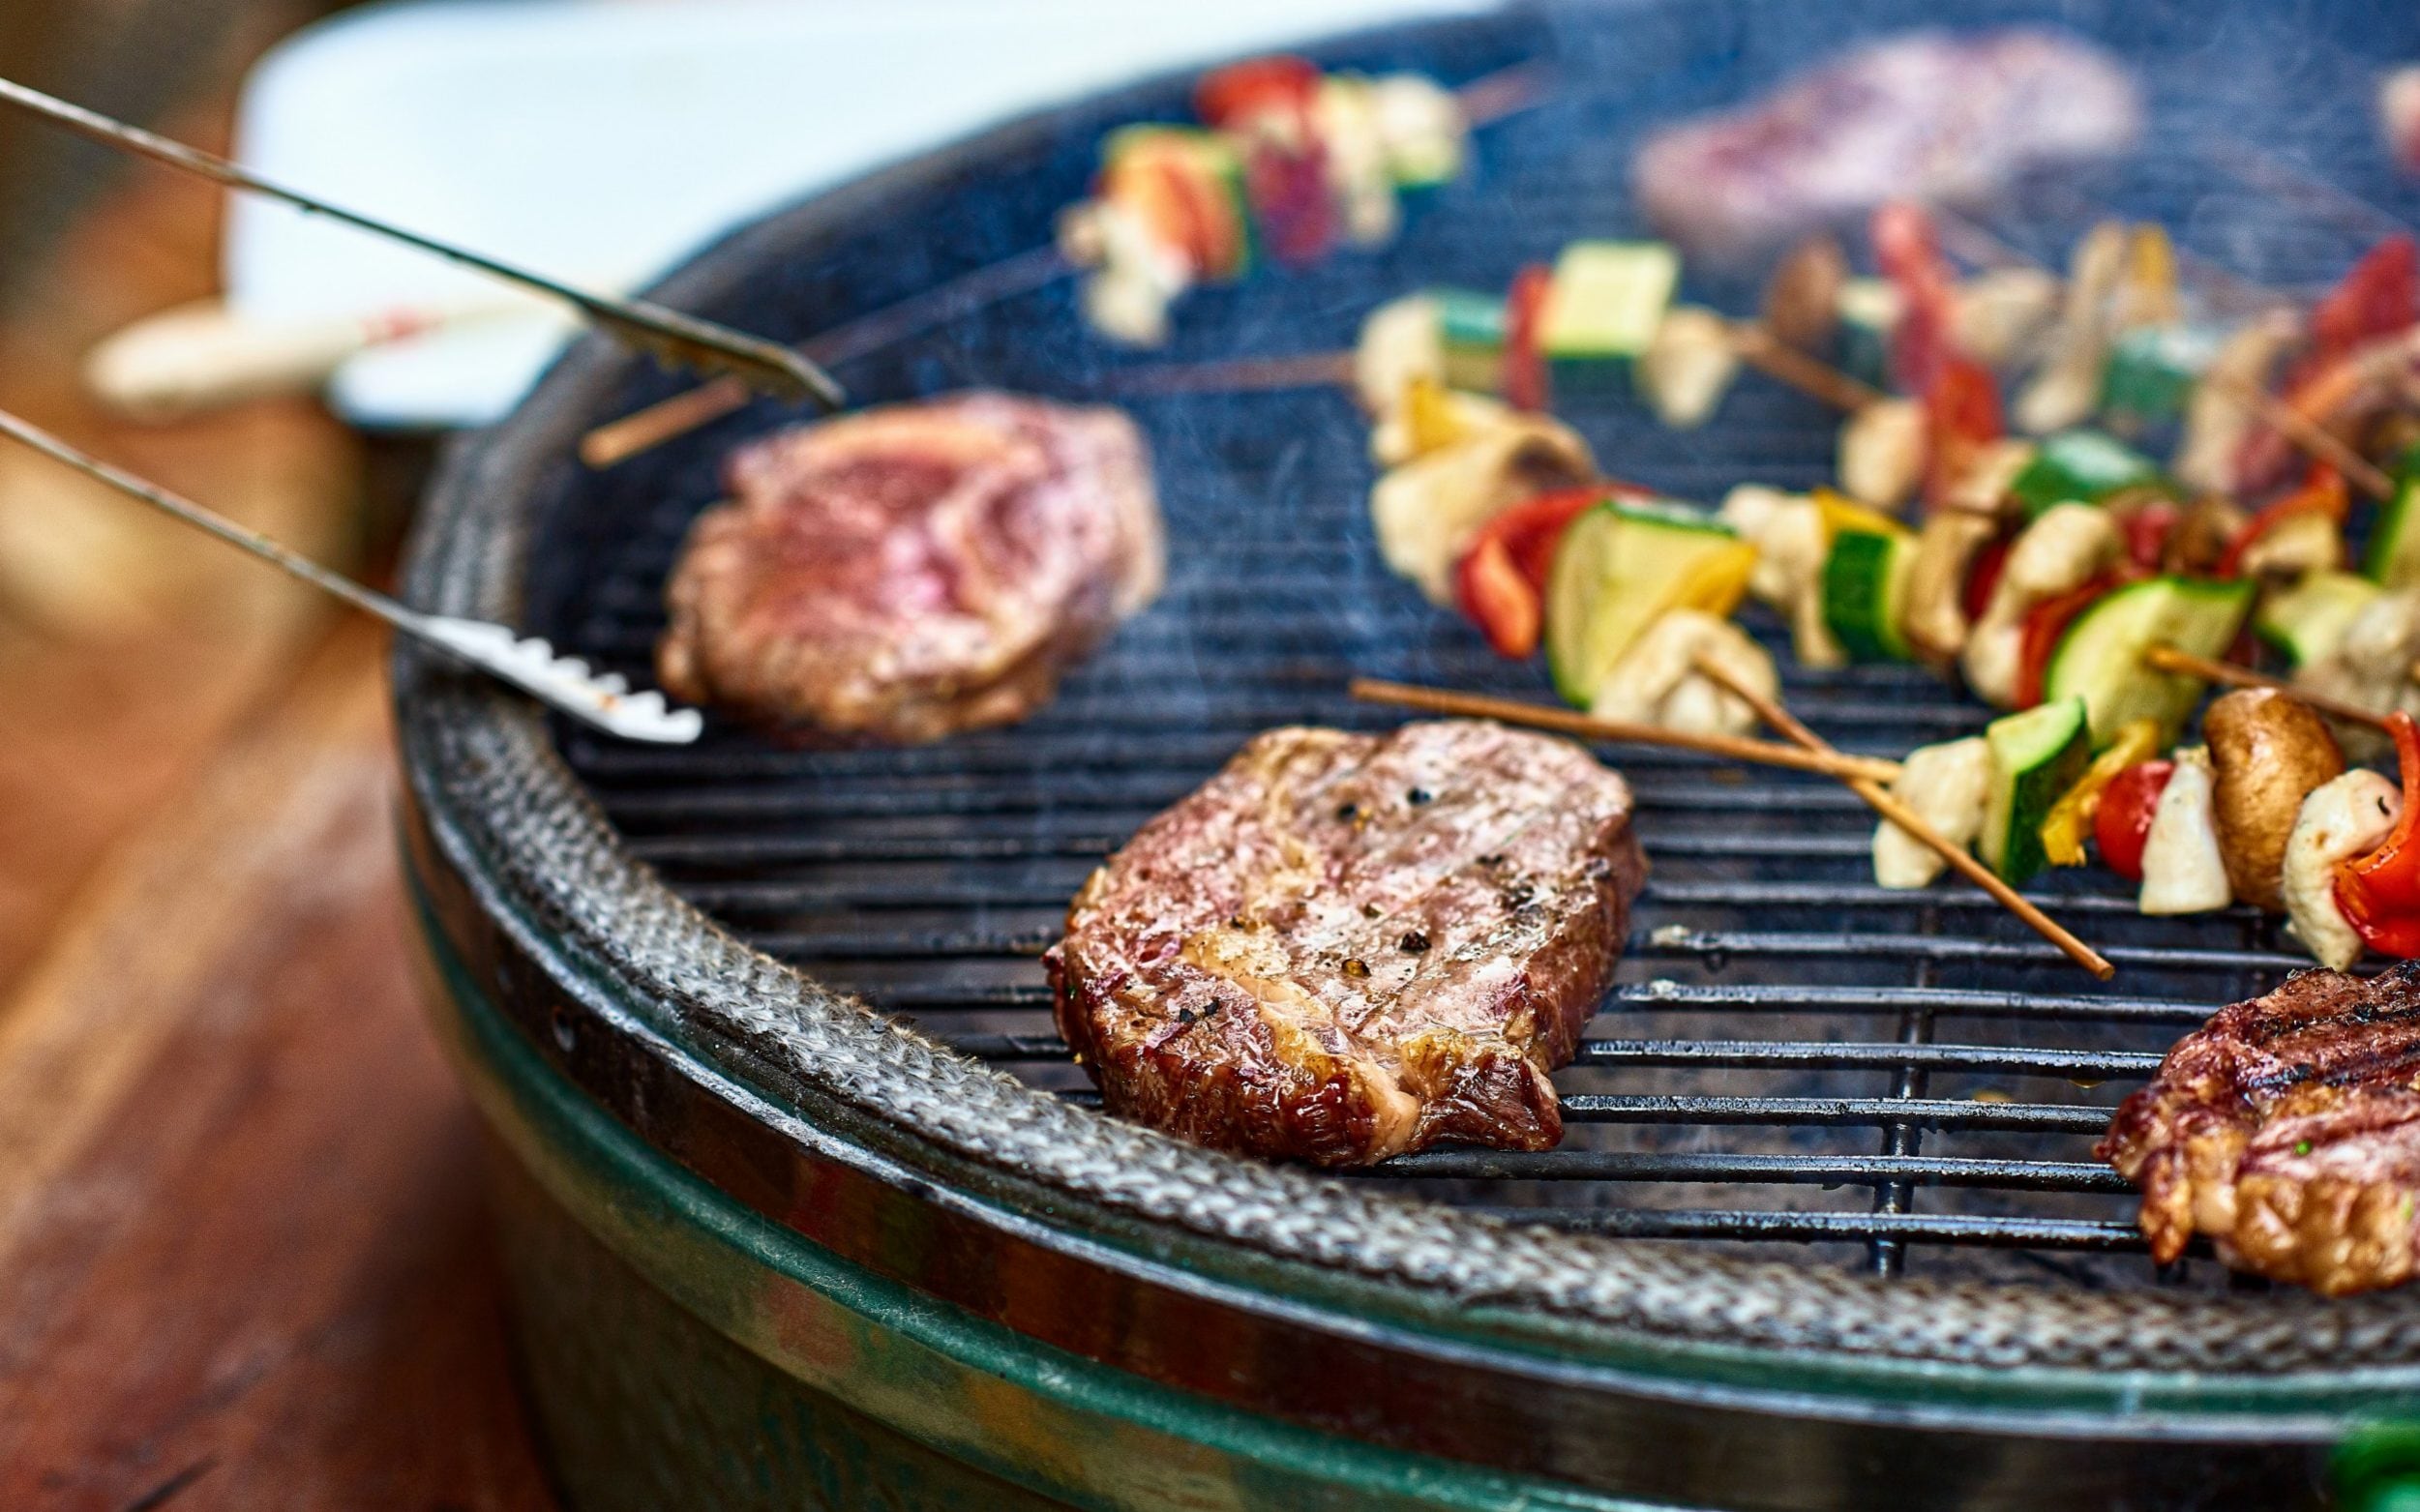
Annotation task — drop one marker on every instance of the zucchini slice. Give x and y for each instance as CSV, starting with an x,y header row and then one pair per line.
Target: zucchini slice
x,y
2309,620
1619,567
2099,658
1607,298
2080,467
2036,757
2393,559
1865,593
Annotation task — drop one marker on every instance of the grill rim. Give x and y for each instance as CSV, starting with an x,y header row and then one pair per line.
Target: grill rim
x,y
506,816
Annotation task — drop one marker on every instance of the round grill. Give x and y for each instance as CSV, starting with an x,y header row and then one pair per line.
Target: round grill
x,y
1824,1140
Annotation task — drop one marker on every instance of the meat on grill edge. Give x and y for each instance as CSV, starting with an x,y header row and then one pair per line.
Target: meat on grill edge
x,y
1345,947
2287,1129
904,573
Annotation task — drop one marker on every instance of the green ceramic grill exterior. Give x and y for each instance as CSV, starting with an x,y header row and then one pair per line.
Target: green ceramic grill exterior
x,y
685,1351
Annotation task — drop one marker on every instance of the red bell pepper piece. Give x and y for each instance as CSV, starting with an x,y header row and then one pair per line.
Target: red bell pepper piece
x,y
2379,893
2123,821
1500,583
1525,383
2044,624
2323,492
1240,93
1489,590
1961,417
2379,296
1983,576
1909,250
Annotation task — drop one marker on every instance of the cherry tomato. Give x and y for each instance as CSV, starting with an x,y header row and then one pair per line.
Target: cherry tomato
x,y
1490,591
1525,384
2124,820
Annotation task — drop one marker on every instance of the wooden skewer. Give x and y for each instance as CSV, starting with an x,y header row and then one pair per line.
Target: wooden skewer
x,y
1900,814
1778,359
1485,100
1587,727
2315,440
2184,664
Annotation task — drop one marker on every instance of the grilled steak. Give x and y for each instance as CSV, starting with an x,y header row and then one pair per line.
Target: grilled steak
x,y
1343,948
904,573
2287,1129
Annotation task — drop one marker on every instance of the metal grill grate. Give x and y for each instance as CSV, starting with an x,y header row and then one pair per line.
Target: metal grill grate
x,y
1793,1056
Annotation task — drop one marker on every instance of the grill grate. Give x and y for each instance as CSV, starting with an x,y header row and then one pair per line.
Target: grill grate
x,y
1793,1058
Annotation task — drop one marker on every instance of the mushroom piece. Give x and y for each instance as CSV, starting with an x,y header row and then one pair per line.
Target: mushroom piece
x,y
2182,868
2067,388
2068,547
2347,816
2268,751
1949,786
1802,305
1428,509
1687,366
2197,543
1935,619
1656,681
1882,453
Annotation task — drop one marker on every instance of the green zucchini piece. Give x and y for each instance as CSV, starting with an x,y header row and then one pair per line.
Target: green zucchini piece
x,y
1606,299
2153,369
1617,568
1869,311
2099,660
2036,757
1471,325
2083,466
2309,620
1865,593
2393,559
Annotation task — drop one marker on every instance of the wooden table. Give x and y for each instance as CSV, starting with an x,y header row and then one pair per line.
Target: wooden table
x,y
242,1261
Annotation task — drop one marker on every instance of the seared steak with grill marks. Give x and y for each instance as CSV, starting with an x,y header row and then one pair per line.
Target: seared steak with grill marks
x,y
904,573
2287,1129
1344,947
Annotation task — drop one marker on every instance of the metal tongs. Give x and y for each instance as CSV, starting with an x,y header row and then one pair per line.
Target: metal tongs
x,y
528,663
764,365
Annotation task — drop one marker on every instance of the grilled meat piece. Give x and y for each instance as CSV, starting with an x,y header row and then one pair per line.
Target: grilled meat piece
x,y
1924,115
2287,1129
902,573
1344,947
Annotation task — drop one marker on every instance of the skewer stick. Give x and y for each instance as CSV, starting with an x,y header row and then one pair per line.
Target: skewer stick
x,y
2184,664
2314,439
1778,359
670,334
1900,814
1587,727
648,429
1485,100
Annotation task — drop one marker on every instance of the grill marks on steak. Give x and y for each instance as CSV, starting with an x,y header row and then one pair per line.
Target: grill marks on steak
x,y
904,573
1345,947
2287,1129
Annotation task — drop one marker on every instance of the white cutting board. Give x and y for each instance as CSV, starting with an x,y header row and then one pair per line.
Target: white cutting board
x,y
602,140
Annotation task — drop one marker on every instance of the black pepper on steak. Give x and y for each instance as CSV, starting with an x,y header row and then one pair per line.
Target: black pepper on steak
x,y
1390,995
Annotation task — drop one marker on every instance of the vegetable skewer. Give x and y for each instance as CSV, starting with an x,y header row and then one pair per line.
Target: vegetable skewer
x,y
1782,720
1826,762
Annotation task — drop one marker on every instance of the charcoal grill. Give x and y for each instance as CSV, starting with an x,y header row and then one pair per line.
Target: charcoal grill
x,y
805,1205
